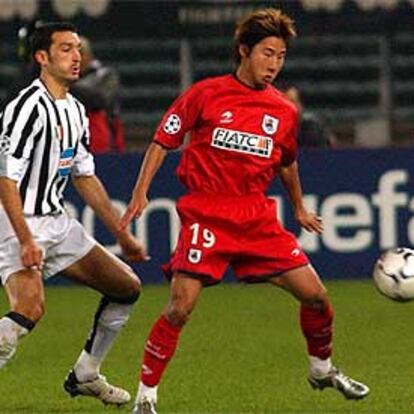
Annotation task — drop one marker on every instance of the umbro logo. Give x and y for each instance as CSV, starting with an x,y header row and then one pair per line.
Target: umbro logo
x,y
226,117
295,252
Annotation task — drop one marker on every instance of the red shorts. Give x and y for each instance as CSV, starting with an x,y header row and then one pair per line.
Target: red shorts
x,y
242,232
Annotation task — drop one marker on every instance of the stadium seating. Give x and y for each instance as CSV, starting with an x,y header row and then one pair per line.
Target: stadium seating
x,y
342,77
338,76
150,75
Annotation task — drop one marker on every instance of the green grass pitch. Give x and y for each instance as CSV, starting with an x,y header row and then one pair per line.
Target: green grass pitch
x,y
242,352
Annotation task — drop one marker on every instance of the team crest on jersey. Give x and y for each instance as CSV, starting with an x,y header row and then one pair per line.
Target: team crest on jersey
x,y
59,132
241,141
194,256
5,144
270,124
172,124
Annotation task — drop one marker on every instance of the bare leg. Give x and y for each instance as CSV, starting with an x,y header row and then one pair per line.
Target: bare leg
x,y
316,318
107,274
163,339
26,297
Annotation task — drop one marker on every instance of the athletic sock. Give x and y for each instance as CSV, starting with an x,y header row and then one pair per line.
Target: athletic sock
x,y
146,393
86,367
319,368
159,349
317,327
110,318
13,326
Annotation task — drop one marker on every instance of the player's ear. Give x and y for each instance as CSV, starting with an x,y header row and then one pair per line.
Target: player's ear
x,y
41,57
244,51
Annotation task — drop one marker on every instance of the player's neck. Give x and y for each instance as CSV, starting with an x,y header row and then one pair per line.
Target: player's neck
x,y
56,89
243,76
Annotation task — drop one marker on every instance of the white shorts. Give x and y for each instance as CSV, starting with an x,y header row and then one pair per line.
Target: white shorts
x,y
63,240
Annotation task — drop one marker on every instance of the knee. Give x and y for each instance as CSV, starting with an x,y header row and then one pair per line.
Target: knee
x,y
177,316
178,313
317,300
131,291
134,289
183,298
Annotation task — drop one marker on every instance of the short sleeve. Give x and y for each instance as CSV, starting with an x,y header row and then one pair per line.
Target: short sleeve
x,y
290,142
20,125
83,162
179,118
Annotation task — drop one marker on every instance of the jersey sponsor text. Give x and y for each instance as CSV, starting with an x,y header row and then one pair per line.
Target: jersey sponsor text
x,y
240,141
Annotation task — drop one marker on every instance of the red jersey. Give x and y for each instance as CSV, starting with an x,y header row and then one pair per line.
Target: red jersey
x,y
239,136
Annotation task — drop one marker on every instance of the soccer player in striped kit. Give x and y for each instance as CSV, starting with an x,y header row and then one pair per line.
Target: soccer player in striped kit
x,y
43,142
243,135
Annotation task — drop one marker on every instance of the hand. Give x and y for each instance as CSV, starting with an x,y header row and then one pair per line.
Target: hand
x,y
133,250
309,221
32,255
134,210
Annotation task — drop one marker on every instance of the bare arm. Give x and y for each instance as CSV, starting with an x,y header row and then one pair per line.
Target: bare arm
x,y
153,159
94,194
31,254
289,176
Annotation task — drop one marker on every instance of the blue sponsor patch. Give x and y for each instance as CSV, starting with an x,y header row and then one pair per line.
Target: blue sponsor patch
x,y
65,162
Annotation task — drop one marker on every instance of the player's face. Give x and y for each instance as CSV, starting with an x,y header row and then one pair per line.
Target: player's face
x,y
264,62
64,57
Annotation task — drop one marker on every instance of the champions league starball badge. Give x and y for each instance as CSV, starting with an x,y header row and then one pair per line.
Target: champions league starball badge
x,y
172,124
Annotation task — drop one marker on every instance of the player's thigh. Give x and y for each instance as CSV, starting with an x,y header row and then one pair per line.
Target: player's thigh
x,y
303,282
104,272
25,293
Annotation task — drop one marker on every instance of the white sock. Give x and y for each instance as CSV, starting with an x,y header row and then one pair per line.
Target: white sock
x,y
10,333
109,320
145,392
86,367
319,367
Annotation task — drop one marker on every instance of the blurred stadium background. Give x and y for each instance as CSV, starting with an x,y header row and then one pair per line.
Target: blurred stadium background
x,y
352,60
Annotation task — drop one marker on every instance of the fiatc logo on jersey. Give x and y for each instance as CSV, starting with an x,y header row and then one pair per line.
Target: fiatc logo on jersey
x,y
240,141
65,162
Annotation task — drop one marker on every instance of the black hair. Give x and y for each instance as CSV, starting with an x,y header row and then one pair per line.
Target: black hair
x,y
260,24
42,36
24,37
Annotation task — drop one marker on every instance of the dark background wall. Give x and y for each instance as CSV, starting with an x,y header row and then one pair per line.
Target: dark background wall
x,y
177,18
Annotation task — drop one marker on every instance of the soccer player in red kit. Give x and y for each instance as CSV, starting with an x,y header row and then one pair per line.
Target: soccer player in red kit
x,y
243,135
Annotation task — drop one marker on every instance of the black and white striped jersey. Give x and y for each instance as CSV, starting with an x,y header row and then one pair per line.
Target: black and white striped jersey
x,y
42,142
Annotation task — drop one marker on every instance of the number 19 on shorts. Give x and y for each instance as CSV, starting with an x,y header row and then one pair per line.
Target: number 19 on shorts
x,y
200,237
